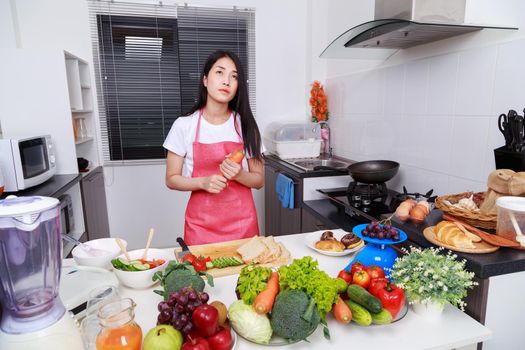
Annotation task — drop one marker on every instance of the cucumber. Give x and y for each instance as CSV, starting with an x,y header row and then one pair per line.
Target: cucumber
x,y
223,262
383,317
140,266
361,296
360,315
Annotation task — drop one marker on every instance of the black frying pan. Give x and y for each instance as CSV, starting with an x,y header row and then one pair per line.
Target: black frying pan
x,y
370,171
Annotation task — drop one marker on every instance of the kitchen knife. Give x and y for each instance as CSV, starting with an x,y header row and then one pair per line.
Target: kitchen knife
x,y
185,250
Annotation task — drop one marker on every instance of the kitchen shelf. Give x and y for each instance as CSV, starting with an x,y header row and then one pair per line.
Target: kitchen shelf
x,y
81,112
83,140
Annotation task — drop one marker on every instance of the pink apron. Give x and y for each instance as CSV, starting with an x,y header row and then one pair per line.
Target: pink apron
x,y
224,216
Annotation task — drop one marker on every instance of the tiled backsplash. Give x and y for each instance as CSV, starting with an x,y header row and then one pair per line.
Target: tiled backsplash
x,y
436,116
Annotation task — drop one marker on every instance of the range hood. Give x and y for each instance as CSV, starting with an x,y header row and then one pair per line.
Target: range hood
x,y
381,38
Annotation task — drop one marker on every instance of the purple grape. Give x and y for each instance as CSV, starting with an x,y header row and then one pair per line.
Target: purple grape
x,y
396,237
372,234
369,227
184,318
175,317
162,306
381,235
364,233
187,328
183,299
204,297
190,307
387,227
175,295
164,316
179,308
192,295
178,324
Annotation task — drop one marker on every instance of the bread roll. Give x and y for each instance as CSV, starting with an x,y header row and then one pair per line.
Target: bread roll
x,y
448,233
333,246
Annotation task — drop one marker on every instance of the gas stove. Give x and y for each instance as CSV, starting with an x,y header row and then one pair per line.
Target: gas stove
x,y
369,202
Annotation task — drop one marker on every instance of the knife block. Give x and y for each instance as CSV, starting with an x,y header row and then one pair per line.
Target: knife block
x,y
507,159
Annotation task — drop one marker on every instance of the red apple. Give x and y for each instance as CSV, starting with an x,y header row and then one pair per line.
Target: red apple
x,y
206,319
196,344
222,340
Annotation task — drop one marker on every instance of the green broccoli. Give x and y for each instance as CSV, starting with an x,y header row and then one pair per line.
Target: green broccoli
x,y
180,275
294,315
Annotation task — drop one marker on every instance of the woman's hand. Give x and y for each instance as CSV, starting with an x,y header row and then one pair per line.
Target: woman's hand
x,y
230,169
214,183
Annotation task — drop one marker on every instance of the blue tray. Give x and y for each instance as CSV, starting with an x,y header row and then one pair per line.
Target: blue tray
x,y
359,228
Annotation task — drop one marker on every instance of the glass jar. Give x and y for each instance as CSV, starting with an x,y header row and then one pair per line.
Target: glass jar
x,y
119,330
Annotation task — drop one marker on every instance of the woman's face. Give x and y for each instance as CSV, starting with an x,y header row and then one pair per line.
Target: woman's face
x,y
221,81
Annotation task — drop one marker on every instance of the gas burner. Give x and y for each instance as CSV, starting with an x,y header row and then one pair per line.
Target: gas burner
x,y
417,196
367,191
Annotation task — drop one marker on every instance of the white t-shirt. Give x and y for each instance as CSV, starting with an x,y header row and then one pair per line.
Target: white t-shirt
x,y
182,134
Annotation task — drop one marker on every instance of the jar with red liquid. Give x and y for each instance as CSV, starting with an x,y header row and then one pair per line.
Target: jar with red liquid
x,y
119,330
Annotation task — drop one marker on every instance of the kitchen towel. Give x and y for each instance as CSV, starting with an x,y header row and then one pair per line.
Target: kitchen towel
x,y
284,189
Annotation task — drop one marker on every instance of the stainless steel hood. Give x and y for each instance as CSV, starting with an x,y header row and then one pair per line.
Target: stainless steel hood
x,y
408,23
379,39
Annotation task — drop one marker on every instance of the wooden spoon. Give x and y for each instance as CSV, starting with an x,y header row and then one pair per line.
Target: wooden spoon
x,y
123,248
487,237
150,237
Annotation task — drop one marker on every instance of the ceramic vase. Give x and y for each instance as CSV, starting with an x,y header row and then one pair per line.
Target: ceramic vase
x,y
429,310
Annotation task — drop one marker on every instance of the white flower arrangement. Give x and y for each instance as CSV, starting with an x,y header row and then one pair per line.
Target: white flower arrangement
x,y
428,276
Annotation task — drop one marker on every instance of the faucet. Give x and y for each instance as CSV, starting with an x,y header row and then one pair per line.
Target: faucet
x,y
329,137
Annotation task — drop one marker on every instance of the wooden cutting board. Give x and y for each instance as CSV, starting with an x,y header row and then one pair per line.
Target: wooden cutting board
x,y
227,249
481,247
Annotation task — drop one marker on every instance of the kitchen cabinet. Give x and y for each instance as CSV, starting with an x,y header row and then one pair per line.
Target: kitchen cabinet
x,y
94,204
284,221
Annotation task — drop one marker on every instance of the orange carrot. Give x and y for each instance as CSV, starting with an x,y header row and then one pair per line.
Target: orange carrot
x,y
236,156
341,311
263,302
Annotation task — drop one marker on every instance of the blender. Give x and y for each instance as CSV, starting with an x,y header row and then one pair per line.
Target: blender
x,y
32,314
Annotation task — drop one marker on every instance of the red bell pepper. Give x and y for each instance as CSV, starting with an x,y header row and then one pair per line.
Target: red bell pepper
x,y
392,297
199,263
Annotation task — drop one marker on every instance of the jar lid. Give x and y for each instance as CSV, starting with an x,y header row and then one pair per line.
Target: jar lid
x,y
16,206
511,203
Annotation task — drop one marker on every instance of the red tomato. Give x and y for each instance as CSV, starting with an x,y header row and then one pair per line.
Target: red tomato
x,y
357,266
189,257
361,278
199,264
375,272
345,275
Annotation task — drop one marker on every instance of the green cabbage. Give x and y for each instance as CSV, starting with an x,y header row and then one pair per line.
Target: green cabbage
x,y
248,323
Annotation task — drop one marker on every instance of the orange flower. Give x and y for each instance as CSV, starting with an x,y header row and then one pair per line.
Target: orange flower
x,y
318,102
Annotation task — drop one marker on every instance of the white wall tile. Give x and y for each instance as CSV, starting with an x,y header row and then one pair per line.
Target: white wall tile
x,y
458,185
442,84
469,145
510,78
335,94
364,93
394,83
437,146
409,140
416,87
476,81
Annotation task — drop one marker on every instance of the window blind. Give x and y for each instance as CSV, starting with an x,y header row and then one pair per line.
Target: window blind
x,y
148,59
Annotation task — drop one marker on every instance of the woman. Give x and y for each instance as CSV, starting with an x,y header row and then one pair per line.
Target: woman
x,y
221,206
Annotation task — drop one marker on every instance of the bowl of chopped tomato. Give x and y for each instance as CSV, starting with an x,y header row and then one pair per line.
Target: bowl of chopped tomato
x,y
138,272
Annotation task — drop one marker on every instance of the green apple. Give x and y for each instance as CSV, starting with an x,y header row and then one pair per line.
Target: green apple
x,y
163,337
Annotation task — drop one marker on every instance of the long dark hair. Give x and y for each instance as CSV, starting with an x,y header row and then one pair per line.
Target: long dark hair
x,y
240,103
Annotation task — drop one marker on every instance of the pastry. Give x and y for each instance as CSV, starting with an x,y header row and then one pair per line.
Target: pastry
x,y
327,236
350,240
331,245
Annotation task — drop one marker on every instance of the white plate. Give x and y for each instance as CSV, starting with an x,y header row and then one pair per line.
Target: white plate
x,y
313,237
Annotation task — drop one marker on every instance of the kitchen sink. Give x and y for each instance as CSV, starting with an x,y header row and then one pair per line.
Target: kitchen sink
x,y
310,164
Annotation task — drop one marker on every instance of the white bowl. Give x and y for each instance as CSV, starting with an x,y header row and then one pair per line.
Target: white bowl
x,y
104,261
142,279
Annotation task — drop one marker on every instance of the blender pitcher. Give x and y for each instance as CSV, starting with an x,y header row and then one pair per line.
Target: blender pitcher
x,y
33,315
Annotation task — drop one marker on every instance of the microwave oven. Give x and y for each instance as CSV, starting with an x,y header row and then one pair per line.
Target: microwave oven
x,y
26,161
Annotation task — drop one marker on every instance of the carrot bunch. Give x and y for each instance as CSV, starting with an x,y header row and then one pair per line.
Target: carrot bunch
x,y
318,103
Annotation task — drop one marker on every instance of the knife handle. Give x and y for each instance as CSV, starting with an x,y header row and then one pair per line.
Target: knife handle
x,y
182,244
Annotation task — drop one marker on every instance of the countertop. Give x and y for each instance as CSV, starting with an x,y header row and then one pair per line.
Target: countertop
x,y
454,329
503,261
54,187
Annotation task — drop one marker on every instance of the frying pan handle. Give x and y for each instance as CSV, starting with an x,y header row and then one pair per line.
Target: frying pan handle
x,y
324,167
